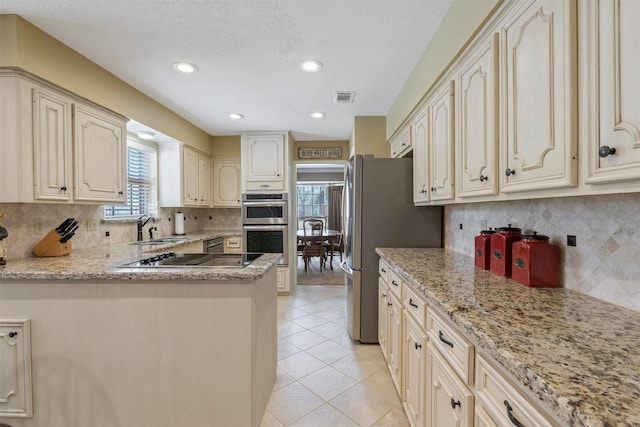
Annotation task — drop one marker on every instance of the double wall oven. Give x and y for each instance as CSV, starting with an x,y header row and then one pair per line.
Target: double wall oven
x,y
264,224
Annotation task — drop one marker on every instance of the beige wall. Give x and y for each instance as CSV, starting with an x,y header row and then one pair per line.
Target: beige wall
x,y
225,146
369,136
25,46
459,24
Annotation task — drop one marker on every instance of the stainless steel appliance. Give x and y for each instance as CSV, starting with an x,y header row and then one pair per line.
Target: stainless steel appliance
x,y
378,211
265,208
181,260
213,246
264,224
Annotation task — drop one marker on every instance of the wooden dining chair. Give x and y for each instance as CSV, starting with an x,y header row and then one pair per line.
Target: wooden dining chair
x,y
338,246
313,244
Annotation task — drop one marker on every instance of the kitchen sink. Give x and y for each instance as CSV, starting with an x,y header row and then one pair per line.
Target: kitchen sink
x,y
161,241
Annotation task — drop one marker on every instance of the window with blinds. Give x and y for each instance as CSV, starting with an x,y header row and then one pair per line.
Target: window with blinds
x,y
141,183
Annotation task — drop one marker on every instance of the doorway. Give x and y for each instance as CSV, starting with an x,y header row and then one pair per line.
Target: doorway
x,y
319,195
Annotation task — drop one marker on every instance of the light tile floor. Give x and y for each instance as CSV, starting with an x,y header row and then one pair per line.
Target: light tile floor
x,y
324,378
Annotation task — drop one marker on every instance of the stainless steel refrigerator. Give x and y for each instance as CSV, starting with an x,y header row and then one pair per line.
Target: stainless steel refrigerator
x,y
378,211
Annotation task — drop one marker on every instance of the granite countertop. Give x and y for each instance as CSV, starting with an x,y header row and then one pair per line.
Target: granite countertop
x,y
579,354
101,263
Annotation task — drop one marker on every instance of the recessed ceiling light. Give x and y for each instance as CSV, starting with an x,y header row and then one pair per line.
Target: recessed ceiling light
x,y
310,66
236,116
145,135
185,67
317,115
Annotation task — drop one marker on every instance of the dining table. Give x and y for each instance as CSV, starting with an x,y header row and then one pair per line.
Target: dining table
x,y
329,235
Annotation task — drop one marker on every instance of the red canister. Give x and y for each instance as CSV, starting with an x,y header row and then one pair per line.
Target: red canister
x,y
501,243
536,262
483,249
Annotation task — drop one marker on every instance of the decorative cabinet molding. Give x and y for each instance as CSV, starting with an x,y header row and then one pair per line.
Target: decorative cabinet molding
x,y
419,129
16,398
100,156
264,157
477,123
440,142
226,183
52,146
611,115
538,84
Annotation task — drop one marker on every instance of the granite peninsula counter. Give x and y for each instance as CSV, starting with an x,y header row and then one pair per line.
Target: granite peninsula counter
x,y
139,347
578,354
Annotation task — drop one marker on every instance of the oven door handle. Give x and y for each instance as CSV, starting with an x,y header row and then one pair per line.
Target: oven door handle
x,y
264,227
264,203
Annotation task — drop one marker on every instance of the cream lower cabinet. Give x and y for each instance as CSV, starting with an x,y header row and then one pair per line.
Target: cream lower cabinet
x,y
414,372
383,317
15,369
390,320
538,87
233,245
610,111
282,280
394,360
449,401
226,183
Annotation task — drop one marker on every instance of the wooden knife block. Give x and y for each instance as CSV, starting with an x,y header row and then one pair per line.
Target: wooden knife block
x,y
50,246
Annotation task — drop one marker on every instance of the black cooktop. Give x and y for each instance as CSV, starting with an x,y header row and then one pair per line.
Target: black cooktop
x,y
181,260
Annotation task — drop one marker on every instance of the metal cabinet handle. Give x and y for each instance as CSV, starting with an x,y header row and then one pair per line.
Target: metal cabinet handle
x,y
394,283
63,188
384,295
423,191
442,338
484,178
606,151
454,404
418,346
12,334
389,303
412,304
509,172
513,419
383,270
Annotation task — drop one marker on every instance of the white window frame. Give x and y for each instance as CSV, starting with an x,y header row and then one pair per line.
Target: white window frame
x,y
152,204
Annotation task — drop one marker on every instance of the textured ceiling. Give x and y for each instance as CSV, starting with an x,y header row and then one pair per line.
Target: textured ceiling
x,y
248,53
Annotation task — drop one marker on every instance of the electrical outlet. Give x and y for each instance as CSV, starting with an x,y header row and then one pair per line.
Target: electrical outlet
x,y
571,240
92,225
38,226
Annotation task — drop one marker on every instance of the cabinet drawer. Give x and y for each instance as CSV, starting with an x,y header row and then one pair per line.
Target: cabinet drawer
x,y
452,345
395,284
233,244
383,270
262,185
415,306
495,392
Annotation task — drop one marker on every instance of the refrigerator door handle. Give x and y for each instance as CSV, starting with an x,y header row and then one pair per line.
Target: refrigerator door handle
x,y
346,268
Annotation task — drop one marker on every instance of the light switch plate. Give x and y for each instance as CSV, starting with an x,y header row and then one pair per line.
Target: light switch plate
x,y
92,225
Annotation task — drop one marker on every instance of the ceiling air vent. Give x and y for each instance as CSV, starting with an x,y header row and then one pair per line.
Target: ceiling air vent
x,y
343,97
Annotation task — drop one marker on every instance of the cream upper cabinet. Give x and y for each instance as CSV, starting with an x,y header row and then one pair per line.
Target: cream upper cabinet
x,y
263,161
401,143
100,154
611,109
476,121
419,129
440,142
538,84
52,145
196,178
226,183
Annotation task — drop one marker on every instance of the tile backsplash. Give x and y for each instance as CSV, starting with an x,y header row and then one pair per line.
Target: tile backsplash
x,y
603,264
21,224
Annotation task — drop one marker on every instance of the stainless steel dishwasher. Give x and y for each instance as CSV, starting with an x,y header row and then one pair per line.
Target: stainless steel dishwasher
x,y
213,246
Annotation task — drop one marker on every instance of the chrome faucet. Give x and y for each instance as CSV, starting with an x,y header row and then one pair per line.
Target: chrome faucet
x,y
142,223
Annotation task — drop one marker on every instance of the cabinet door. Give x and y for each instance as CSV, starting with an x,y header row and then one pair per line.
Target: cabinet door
x,y
449,401
264,157
226,183
615,105
190,177
15,369
401,144
414,371
440,142
539,83
100,156
52,144
395,341
477,134
383,317
419,128
282,279
204,180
